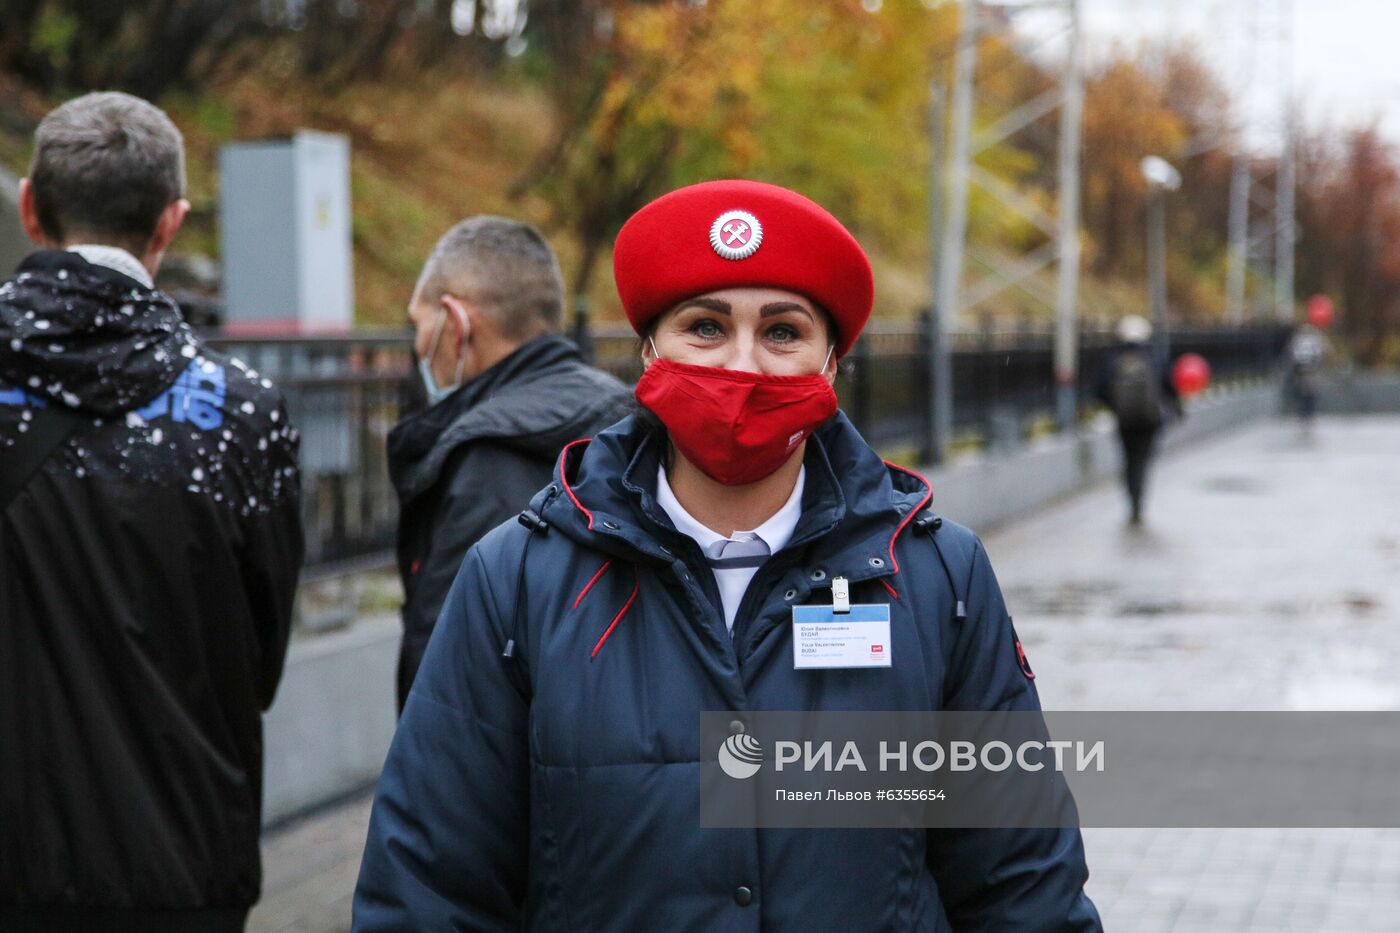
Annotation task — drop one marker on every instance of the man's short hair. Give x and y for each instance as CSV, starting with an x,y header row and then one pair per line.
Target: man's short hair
x,y
502,266
105,166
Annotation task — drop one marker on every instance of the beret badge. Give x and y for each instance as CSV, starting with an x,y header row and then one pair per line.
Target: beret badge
x,y
736,235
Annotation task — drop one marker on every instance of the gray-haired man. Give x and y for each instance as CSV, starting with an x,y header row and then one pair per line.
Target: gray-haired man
x,y
149,549
506,392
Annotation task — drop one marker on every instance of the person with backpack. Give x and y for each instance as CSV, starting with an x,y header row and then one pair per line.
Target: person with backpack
x,y
1307,354
1137,387
546,770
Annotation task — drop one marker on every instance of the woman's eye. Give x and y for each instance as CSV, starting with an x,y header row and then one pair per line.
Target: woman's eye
x,y
782,333
705,329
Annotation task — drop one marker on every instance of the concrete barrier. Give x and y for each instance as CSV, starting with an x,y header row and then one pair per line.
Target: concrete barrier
x,y
328,731
983,491
1360,394
330,725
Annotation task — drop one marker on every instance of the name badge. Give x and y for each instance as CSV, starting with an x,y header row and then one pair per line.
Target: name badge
x,y
825,638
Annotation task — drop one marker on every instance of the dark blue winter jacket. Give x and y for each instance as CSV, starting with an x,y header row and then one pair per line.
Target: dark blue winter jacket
x,y
559,790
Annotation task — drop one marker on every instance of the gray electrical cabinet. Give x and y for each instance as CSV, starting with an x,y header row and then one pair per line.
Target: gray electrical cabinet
x,y
14,243
284,230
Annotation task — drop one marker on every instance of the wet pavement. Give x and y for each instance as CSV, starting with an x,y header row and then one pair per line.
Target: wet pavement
x,y
309,870
1267,576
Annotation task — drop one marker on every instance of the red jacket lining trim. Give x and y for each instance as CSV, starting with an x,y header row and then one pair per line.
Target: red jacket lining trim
x,y
564,478
928,494
584,592
636,583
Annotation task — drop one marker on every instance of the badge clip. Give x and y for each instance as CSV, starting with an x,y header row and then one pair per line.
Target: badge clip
x,y
840,595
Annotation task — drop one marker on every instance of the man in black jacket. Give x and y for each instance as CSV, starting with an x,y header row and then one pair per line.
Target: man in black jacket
x,y
506,392
149,551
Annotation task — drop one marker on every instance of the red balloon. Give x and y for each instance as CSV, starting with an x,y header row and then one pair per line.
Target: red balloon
x,y
1320,311
1191,373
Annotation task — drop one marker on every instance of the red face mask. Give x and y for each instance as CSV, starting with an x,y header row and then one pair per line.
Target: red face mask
x,y
736,427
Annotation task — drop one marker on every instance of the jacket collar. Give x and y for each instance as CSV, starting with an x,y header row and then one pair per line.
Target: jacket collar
x,y
853,508
116,259
484,406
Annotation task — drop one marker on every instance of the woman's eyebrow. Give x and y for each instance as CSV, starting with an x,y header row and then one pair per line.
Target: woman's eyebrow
x,y
780,307
709,304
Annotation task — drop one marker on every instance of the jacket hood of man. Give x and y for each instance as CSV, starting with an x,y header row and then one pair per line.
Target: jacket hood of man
x,y
88,337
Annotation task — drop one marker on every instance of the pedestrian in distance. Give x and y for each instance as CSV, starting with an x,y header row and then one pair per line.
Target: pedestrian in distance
x,y
545,774
1307,353
1137,388
506,392
150,542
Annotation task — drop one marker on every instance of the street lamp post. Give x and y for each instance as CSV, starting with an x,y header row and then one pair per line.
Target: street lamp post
x,y
1161,178
940,384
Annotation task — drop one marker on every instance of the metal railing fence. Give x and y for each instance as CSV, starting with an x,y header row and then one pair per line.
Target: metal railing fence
x,y
344,393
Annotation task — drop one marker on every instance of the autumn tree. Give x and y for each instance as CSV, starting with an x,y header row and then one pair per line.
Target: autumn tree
x,y
1349,208
826,98
1126,116
150,47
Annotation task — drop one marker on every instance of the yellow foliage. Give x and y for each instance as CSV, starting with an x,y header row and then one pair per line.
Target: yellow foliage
x,y
827,98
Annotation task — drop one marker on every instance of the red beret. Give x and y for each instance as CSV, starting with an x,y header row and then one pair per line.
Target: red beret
x,y
723,234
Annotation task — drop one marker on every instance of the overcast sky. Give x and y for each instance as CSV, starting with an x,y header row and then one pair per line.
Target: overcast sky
x,y
1345,59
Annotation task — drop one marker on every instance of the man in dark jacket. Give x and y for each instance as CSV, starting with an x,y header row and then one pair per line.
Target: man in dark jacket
x,y
1137,388
506,392
149,549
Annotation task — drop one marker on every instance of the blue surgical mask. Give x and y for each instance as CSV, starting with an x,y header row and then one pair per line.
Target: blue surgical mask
x,y
435,392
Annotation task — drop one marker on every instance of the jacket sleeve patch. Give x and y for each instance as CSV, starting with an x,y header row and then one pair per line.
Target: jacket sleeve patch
x,y
1023,661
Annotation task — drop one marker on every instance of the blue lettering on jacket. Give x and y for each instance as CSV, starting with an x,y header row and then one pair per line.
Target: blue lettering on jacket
x,y
197,396
9,396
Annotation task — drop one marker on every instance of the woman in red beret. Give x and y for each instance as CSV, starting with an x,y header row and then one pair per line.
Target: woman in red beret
x,y
547,768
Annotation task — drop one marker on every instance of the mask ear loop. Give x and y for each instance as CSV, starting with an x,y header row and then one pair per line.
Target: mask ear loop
x,y
433,345
437,335
461,368
461,360
655,355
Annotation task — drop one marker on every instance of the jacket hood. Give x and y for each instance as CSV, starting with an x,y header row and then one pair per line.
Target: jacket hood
x,y
89,337
535,400
854,504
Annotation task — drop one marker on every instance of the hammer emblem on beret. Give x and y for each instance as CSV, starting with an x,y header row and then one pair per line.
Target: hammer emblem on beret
x,y
736,235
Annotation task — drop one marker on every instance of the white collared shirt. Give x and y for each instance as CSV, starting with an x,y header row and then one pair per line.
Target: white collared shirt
x,y
773,535
115,258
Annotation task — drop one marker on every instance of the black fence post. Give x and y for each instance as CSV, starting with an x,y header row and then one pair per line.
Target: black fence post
x,y
923,386
860,386
583,334
990,388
